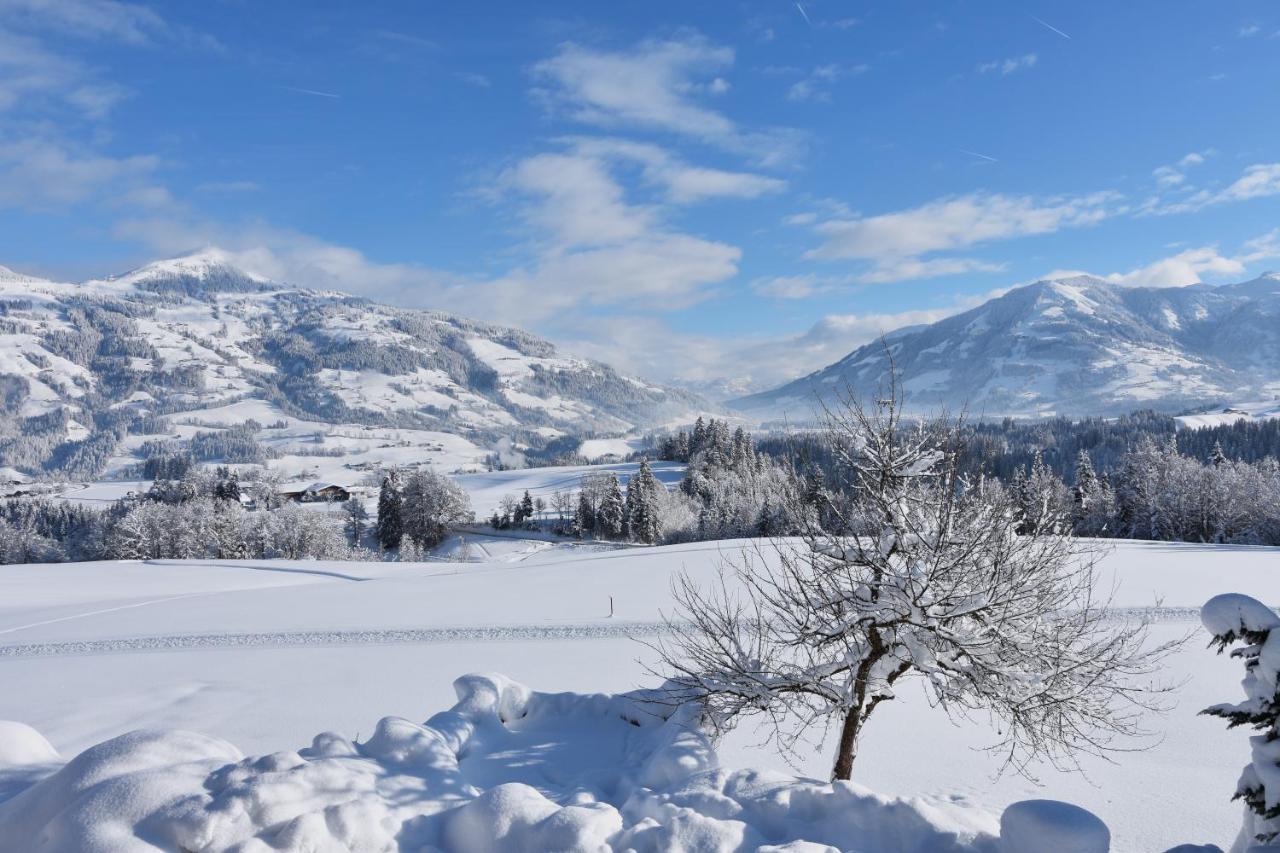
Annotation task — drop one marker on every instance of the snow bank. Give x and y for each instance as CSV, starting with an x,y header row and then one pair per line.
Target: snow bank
x,y
1033,826
506,769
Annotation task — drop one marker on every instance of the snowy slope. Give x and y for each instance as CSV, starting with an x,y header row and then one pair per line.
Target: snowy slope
x,y
1072,346
189,337
266,654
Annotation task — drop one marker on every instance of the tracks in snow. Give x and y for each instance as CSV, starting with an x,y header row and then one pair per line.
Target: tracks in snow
x,y
366,637
422,636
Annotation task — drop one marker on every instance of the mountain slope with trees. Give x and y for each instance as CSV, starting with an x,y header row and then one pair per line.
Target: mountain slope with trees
x,y
82,365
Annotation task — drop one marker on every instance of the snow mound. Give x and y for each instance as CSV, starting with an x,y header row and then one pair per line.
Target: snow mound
x,y
1234,614
21,745
506,769
1032,826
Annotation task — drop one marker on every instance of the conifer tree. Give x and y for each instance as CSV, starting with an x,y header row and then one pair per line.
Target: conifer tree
x,y
390,527
1219,458
1232,618
586,517
609,521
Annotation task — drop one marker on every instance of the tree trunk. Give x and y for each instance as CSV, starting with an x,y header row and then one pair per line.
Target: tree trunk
x,y
848,747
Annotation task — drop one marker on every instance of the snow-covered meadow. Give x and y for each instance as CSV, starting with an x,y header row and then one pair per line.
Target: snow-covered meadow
x,y
267,654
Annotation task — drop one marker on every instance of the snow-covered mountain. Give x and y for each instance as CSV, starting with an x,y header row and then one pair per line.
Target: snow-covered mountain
x,y
1079,345
191,335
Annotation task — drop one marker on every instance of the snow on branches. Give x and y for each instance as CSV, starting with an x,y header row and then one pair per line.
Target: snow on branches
x,y
939,578
1233,618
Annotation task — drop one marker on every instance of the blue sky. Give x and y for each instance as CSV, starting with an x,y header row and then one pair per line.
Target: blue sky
x,y
689,190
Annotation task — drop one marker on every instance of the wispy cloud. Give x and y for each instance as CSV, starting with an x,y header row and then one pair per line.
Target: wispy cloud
x,y
816,86
682,182
1010,65
655,86
1193,266
480,81
1259,180
897,244
47,173
131,23
1172,175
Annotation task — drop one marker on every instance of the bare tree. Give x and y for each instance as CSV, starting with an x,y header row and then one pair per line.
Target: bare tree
x,y
928,577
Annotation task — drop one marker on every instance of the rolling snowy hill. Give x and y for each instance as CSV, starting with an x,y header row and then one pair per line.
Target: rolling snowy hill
x,y
1071,346
88,371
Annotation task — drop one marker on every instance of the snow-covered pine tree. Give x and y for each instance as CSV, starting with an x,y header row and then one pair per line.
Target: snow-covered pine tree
x,y
585,520
526,506
390,524
612,514
642,519
1218,457
357,521
1234,619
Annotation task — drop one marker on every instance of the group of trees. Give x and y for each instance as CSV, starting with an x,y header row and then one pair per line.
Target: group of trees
x,y
639,515
414,515
1158,492
517,513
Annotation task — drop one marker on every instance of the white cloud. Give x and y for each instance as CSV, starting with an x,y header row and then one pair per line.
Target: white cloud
x,y
31,76
653,86
1174,175
578,201
127,22
1010,65
1193,266
38,174
1259,180
647,86
806,285
895,241
1249,30
682,182
817,85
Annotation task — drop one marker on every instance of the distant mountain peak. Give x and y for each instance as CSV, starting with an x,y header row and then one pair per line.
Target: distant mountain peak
x,y
199,264
1069,345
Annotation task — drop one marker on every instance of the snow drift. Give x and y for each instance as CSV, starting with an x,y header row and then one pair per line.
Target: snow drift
x,y
506,769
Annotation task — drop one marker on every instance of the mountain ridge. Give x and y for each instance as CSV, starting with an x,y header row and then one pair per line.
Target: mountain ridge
x,y
1073,345
186,335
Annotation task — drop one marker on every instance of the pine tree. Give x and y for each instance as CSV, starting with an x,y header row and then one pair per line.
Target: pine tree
x,y
586,517
642,522
390,528
1219,458
526,506
609,521
357,520
1232,618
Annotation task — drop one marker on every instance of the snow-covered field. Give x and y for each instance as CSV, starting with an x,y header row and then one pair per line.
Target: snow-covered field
x,y
268,654
1256,410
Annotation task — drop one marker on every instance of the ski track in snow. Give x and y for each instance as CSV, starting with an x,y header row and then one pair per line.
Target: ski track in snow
x,y
401,636
365,637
